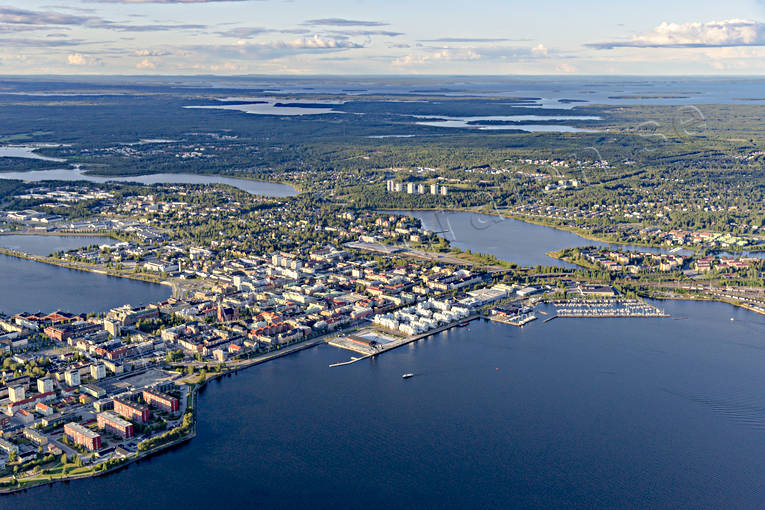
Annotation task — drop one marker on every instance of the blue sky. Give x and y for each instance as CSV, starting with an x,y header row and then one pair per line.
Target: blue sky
x,y
382,37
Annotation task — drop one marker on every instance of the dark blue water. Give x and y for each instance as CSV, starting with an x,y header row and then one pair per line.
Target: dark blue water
x,y
575,413
27,286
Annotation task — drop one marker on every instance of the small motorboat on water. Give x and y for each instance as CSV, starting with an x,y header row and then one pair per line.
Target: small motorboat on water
x,y
407,376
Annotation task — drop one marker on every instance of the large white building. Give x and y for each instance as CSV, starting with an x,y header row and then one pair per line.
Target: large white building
x,y
72,377
44,385
17,393
98,371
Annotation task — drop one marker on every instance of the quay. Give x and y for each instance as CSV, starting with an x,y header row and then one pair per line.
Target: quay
x,y
380,348
516,320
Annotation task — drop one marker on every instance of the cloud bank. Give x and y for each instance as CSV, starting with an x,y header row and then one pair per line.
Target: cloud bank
x,y
712,34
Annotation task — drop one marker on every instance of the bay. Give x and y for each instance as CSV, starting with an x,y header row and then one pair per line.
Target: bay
x,y
269,189
575,413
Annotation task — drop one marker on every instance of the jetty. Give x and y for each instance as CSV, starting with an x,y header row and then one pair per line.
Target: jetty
x,y
519,320
355,342
609,308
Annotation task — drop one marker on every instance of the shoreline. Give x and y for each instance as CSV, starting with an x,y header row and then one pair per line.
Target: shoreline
x,y
702,297
264,358
193,394
60,233
94,173
56,262
536,220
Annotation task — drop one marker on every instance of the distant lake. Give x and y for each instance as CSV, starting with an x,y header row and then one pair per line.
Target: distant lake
x,y
523,243
26,152
268,189
270,106
47,244
485,123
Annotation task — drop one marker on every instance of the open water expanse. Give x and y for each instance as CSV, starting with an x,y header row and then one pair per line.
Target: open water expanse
x,y
29,286
48,244
574,413
526,244
268,189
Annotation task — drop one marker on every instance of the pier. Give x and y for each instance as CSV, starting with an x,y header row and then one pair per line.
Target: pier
x,y
607,309
519,320
380,348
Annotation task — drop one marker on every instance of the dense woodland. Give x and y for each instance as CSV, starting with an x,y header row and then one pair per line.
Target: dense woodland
x,y
675,166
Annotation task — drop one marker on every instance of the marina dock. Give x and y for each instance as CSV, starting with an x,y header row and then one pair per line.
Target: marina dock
x,y
607,309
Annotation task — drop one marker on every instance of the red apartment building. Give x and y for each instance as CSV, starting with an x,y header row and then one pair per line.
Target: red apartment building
x,y
83,436
131,410
165,402
115,424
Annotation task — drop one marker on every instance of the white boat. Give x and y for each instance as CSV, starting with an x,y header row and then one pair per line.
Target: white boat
x,y
407,376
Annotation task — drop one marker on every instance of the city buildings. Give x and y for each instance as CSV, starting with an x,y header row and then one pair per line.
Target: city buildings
x,y
161,400
83,436
131,410
113,423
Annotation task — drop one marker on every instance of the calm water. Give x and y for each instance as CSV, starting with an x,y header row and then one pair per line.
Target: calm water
x,y
465,122
524,243
32,286
268,189
575,413
26,152
45,245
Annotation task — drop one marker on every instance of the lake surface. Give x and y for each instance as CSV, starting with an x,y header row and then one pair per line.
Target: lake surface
x,y
484,123
517,241
45,244
29,286
575,413
525,244
26,152
271,106
269,189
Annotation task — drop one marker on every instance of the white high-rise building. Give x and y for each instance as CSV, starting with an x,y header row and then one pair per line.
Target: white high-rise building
x,y
17,393
98,371
45,385
72,377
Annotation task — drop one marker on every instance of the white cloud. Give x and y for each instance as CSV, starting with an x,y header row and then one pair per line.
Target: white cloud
x,y
317,42
146,64
78,59
712,34
229,67
566,68
151,53
342,22
539,50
